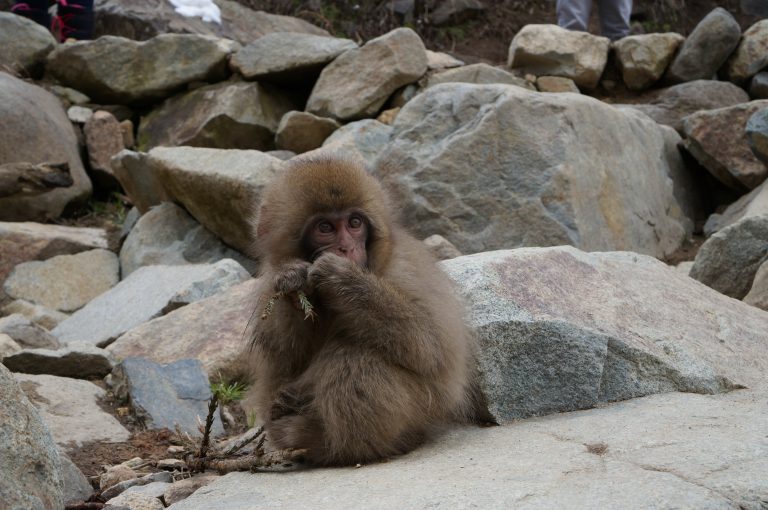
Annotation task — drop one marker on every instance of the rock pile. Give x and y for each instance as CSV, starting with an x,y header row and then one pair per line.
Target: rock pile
x,y
191,119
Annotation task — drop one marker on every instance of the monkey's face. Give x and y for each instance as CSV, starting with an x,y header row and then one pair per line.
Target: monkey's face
x,y
343,233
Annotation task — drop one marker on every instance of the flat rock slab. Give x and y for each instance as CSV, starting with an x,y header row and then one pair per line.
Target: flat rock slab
x,y
78,360
147,293
166,396
66,282
212,330
70,409
560,329
666,451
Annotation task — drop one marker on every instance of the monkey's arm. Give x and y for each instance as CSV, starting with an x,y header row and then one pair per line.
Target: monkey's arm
x,y
375,312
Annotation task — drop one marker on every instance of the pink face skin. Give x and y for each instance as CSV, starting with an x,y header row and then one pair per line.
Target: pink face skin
x,y
344,234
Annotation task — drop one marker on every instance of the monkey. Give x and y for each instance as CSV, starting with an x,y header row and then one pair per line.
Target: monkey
x,y
387,356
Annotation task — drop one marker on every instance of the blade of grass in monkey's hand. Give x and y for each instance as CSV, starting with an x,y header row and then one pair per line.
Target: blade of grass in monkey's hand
x,y
306,305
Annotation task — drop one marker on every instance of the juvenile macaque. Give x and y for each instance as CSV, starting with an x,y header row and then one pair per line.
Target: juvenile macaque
x,y
386,356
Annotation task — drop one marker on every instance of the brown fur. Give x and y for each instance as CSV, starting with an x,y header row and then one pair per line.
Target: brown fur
x,y
388,355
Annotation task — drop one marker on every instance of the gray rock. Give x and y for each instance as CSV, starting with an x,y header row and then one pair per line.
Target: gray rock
x,y
152,478
669,106
79,114
66,282
438,60
104,139
219,188
212,330
751,55
131,218
359,81
37,314
70,408
758,88
758,293
136,501
31,477
288,57
78,360
721,147
25,44
27,334
706,48
158,67
139,180
688,191
757,134
495,166
729,259
77,488
23,241
556,84
677,450
441,247
147,293
753,203
560,329
8,346
364,139
302,132
643,59
477,73
684,267
69,95
553,51
44,119
281,155
224,115
167,235
144,19
154,489
166,396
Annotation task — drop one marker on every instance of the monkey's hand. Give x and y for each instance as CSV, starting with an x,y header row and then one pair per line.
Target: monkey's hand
x,y
335,279
292,277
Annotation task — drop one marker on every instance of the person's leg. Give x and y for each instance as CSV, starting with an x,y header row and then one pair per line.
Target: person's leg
x,y
573,14
75,19
614,18
36,10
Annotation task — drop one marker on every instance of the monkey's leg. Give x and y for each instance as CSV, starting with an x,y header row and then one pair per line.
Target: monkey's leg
x,y
363,410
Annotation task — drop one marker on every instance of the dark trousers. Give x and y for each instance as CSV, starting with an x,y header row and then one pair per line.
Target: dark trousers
x,y
74,18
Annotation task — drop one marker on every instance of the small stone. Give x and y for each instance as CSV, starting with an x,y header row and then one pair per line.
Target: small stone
x,y
37,314
79,114
757,134
8,346
175,449
136,501
388,116
302,132
27,334
154,489
79,360
556,84
115,475
759,87
439,60
124,485
171,464
184,488
104,139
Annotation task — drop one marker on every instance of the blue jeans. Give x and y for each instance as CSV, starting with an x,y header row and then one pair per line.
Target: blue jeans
x,y
614,16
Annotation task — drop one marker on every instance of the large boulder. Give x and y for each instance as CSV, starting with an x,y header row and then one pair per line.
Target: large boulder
x,y
224,115
115,69
643,59
553,51
168,235
35,129
497,166
219,188
728,261
360,80
212,330
147,293
144,19
706,48
751,56
670,105
25,44
560,329
288,57
66,282
31,478
718,140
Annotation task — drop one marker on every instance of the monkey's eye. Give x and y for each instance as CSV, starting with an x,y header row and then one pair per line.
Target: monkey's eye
x,y
355,222
325,227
